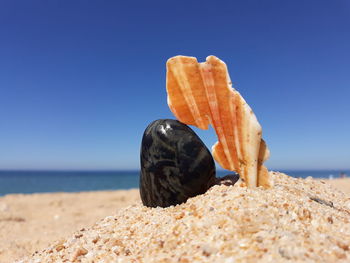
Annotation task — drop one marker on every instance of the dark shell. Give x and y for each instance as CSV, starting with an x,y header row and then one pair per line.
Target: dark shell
x,y
175,164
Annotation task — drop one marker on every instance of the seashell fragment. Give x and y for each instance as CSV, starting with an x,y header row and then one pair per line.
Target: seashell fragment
x,y
200,94
175,164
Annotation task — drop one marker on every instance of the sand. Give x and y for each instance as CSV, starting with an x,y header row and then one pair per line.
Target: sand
x,y
296,221
340,184
31,222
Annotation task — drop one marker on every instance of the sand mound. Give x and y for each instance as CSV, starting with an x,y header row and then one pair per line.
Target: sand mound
x,y
297,220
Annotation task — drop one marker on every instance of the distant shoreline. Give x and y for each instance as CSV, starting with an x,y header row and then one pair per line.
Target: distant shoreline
x,y
32,181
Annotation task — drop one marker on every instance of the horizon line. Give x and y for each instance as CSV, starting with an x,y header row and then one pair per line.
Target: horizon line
x,y
138,169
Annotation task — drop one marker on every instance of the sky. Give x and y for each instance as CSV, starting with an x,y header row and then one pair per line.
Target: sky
x,y
81,80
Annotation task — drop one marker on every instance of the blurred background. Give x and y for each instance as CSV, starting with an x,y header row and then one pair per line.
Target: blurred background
x,y
81,80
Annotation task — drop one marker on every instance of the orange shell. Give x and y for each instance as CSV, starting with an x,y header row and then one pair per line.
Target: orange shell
x,y
200,94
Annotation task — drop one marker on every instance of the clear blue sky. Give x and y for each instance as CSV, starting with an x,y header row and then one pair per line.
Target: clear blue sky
x,y
80,80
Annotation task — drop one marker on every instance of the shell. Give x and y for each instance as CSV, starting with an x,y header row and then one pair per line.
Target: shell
x,y
200,94
175,164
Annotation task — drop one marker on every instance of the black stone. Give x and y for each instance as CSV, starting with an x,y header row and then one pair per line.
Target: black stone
x,y
227,180
175,164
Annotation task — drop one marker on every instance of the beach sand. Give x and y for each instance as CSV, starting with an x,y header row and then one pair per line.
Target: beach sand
x,y
341,184
298,220
31,222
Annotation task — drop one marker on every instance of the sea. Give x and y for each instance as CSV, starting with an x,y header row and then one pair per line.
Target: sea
x,y
25,182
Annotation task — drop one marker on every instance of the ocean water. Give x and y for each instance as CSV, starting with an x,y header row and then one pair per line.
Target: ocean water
x,y
76,181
